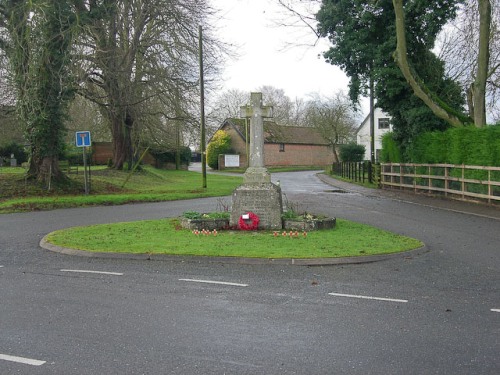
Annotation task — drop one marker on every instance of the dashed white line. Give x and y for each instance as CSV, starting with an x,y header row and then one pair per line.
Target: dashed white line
x,y
26,361
495,310
1,266
213,282
97,272
368,297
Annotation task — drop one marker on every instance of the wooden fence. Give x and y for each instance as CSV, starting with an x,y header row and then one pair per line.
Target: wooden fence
x,y
355,171
464,182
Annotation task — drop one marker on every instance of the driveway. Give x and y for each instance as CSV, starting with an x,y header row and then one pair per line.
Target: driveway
x,y
435,313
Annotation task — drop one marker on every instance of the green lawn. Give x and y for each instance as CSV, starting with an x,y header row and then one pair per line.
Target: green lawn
x,y
167,237
147,185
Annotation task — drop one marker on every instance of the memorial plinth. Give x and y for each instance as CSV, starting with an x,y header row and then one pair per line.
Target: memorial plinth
x,y
257,194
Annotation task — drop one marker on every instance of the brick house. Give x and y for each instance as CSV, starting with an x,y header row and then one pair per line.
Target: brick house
x,y
283,145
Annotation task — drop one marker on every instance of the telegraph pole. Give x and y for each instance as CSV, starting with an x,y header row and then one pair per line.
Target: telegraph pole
x,y
372,118
202,101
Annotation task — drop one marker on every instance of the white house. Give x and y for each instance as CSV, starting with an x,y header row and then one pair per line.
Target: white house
x,y
382,126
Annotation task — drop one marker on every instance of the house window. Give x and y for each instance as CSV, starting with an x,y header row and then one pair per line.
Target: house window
x,y
383,123
282,147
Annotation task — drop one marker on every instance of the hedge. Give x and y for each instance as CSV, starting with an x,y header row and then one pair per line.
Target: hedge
x,y
467,145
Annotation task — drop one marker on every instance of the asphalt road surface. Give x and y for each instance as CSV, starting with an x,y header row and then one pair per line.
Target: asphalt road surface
x,y
434,313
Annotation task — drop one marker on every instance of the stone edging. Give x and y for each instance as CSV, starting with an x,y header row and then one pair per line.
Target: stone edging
x,y
233,260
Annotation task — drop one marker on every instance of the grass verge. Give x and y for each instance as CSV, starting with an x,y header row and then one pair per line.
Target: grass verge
x,y
148,185
166,236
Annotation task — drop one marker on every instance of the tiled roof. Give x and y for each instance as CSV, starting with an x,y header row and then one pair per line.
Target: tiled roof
x,y
275,133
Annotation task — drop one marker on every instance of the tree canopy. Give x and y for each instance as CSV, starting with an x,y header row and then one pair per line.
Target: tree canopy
x,y
363,37
37,37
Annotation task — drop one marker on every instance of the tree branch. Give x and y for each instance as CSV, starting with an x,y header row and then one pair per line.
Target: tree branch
x,y
419,89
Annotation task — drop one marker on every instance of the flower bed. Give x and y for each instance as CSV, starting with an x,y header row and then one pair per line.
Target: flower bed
x,y
196,221
308,225
204,223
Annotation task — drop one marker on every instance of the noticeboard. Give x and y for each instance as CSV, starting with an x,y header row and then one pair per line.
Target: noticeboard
x,y
231,161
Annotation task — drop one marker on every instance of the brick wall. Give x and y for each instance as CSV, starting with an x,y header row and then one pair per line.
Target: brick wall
x,y
297,155
102,152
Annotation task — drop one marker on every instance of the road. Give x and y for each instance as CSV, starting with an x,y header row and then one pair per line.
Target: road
x,y
435,313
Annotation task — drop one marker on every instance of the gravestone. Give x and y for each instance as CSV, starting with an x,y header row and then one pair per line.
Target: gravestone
x,y
257,194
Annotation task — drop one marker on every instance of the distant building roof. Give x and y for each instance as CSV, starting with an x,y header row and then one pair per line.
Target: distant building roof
x,y
275,133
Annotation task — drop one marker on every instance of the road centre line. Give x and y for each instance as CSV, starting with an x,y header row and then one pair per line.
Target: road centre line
x,y
96,272
368,297
26,361
213,282
496,310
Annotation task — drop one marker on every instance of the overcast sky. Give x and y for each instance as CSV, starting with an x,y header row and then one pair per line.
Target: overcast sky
x,y
264,58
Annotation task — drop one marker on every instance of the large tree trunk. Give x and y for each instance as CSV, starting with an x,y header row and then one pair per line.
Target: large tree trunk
x,y
401,57
483,59
46,170
121,130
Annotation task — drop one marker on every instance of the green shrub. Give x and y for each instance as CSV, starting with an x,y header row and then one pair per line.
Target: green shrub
x,y
74,155
352,152
219,144
390,152
16,149
168,156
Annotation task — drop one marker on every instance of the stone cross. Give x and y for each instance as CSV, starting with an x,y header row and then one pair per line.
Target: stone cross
x,y
256,112
257,194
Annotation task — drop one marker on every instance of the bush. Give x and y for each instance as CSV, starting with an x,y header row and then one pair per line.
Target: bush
x,y
390,152
352,152
219,144
16,149
168,156
74,155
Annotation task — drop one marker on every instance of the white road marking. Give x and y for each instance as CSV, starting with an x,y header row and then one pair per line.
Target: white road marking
x,y
368,297
1,266
98,272
213,282
495,310
26,361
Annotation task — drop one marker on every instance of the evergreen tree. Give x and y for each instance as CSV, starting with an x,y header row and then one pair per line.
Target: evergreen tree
x,y
363,36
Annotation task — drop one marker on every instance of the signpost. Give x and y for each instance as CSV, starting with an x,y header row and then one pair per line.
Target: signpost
x,y
83,140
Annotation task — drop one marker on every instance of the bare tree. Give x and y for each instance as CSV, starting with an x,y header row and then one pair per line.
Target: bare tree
x,y
458,47
335,118
140,61
225,105
299,17
281,103
85,115
298,112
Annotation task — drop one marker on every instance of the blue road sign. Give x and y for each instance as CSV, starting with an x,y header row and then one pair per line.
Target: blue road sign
x,y
83,139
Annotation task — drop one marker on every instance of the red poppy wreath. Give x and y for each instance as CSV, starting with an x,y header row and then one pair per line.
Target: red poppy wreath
x,y
248,221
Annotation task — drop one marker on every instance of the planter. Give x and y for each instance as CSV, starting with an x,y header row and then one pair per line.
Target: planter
x,y
204,223
309,224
